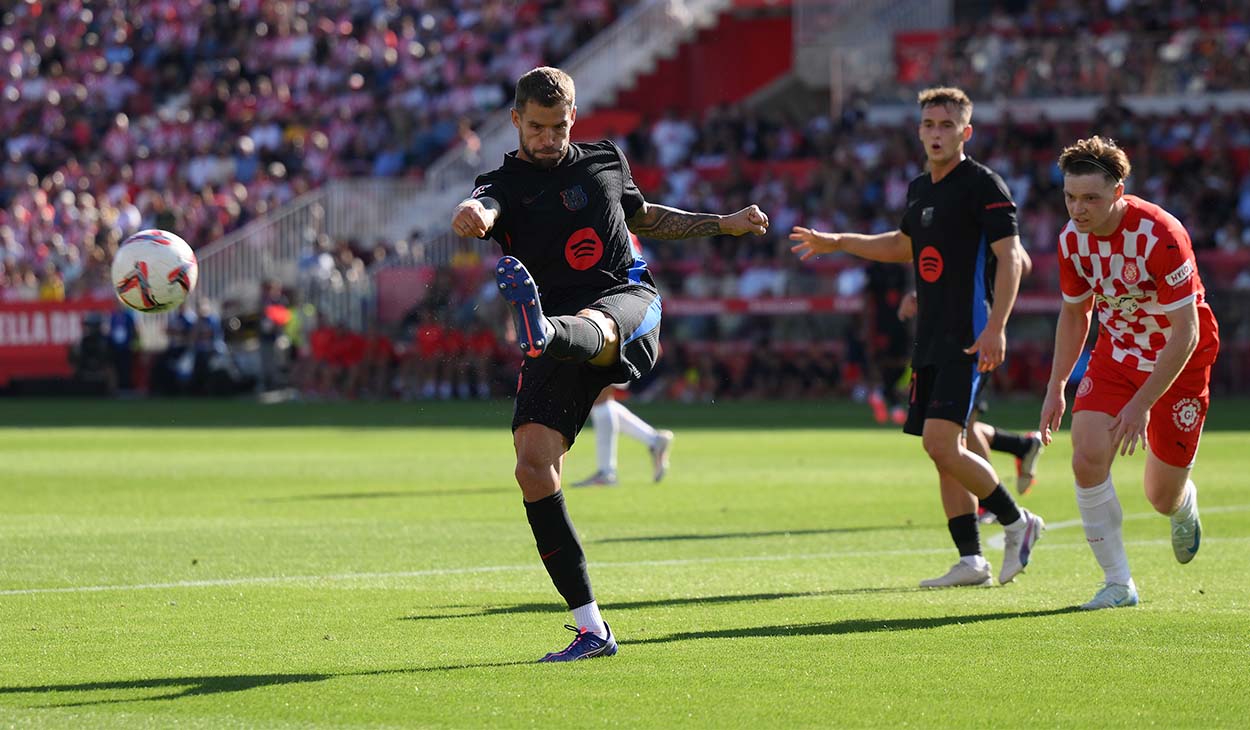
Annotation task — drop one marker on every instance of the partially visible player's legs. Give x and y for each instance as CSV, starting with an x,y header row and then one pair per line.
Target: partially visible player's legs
x,y
607,428
540,456
943,441
1101,515
1026,447
658,441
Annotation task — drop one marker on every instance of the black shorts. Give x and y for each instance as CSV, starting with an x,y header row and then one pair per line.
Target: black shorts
x,y
560,394
947,391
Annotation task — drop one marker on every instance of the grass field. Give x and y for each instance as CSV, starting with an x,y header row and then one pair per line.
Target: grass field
x,y
229,565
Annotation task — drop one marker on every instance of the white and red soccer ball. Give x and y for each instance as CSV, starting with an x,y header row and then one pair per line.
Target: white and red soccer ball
x,y
154,271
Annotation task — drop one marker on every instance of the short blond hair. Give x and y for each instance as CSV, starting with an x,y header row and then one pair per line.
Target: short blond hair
x,y
947,96
1095,155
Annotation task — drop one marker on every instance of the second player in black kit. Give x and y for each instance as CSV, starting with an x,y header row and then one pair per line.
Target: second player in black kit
x,y
959,231
586,309
951,224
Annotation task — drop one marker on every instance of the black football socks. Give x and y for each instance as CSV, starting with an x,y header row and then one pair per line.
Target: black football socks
x,y
966,534
560,549
1002,505
1013,443
573,338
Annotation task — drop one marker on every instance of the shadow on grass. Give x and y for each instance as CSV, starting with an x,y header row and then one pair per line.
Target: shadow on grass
x,y
211,685
657,602
397,494
219,684
855,626
741,535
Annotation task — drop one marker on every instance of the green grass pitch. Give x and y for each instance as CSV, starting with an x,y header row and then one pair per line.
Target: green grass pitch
x,y
229,565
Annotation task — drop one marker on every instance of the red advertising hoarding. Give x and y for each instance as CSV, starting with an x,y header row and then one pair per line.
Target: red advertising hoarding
x,y
35,337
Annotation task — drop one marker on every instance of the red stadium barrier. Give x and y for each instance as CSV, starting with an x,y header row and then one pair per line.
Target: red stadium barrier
x,y
35,337
679,306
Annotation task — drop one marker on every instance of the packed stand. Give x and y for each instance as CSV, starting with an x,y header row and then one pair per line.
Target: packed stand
x,y
834,174
200,115
1066,48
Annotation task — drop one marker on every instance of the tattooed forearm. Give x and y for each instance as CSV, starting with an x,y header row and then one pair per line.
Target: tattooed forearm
x,y
662,222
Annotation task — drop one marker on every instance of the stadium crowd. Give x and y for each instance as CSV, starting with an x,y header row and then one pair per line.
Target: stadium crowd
x,y
177,116
1050,48
200,115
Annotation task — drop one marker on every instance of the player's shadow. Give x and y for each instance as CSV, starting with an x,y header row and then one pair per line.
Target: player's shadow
x,y
219,684
748,535
478,612
854,626
396,494
212,684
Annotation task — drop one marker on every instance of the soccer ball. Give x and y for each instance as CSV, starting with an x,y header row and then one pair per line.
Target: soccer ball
x,y
154,271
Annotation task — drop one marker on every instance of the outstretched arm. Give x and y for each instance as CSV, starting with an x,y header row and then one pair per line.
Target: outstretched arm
x,y
893,247
665,223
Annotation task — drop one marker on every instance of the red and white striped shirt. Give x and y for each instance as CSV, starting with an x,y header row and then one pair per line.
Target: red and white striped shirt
x,y
1137,275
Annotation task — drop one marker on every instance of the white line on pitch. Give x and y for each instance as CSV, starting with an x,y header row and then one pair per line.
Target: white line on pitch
x,y
996,541
676,562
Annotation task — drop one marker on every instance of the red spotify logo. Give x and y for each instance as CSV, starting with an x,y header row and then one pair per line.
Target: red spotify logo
x,y
584,249
930,264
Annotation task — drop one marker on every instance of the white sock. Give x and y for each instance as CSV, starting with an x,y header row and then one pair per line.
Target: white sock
x,y
633,426
976,561
606,429
1102,519
587,617
1189,500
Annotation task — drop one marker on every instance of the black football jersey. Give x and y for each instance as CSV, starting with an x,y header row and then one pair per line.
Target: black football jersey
x,y
951,224
567,223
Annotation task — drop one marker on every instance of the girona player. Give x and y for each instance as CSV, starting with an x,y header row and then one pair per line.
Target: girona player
x,y
1147,380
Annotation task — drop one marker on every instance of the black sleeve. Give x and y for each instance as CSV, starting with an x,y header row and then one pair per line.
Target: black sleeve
x,y
488,185
631,197
902,223
998,210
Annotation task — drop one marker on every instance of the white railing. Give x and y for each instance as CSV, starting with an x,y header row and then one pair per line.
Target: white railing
x,y
233,268
608,63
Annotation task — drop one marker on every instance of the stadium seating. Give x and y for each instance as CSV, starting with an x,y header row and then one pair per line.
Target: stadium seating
x,y
176,117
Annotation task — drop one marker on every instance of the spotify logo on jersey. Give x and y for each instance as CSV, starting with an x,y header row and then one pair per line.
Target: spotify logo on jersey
x,y
930,264
584,249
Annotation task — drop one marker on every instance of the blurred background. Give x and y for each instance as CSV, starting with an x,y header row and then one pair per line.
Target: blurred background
x,y
311,151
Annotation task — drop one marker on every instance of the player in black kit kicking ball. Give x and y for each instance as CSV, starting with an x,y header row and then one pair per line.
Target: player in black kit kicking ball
x,y
562,213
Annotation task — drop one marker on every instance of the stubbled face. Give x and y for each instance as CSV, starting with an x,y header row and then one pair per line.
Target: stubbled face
x,y
543,132
1091,201
942,133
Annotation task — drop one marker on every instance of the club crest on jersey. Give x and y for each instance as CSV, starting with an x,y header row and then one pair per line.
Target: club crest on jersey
x,y
1085,388
926,217
1185,414
1130,274
574,198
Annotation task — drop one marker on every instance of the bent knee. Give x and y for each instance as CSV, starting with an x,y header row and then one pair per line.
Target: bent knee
x,y
942,453
607,325
1089,467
